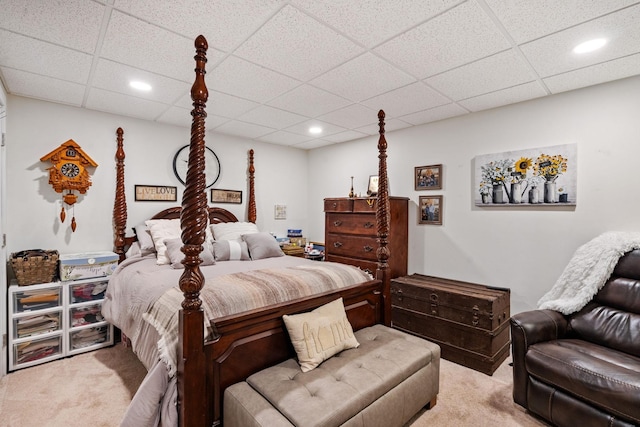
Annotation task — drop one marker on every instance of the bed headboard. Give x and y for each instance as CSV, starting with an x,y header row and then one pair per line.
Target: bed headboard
x,y
121,241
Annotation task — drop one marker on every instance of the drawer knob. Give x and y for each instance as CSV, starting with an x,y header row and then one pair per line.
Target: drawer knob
x,y
368,224
335,205
368,248
337,244
337,223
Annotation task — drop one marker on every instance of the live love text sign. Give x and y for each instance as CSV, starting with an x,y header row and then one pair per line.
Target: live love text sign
x,y
156,193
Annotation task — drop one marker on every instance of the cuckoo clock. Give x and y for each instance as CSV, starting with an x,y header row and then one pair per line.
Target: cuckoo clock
x,y
69,174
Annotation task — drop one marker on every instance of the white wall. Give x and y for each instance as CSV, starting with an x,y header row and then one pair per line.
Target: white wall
x,y
35,128
524,249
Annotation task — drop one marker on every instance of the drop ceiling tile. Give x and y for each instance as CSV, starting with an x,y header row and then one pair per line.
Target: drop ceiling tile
x,y
178,117
247,130
434,114
531,19
327,128
553,54
314,143
377,20
490,74
353,116
31,85
502,97
352,81
407,99
272,117
309,101
115,77
345,136
124,105
284,138
296,45
596,74
389,125
74,23
134,42
193,17
459,36
238,77
24,53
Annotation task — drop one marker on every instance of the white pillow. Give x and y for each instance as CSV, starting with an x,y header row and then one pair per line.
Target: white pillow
x,y
232,230
320,334
161,229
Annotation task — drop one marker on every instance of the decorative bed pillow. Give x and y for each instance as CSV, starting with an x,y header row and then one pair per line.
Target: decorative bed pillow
x,y
232,230
230,250
176,256
320,334
144,239
161,229
262,245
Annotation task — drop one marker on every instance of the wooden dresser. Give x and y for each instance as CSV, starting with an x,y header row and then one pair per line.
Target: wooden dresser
x,y
350,233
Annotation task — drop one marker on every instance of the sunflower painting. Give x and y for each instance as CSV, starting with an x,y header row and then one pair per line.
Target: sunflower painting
x,y
537,176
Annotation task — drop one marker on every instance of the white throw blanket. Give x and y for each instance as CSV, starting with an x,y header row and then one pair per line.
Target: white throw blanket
x,y
588,271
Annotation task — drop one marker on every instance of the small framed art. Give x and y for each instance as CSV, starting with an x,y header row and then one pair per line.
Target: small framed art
x,y
430,210
428,177
280,212
226,196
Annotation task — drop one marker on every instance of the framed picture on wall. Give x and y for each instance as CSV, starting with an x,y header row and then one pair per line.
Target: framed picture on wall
x,y
428,177
430,210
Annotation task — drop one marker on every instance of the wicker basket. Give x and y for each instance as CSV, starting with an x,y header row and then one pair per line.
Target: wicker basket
x,y
35,266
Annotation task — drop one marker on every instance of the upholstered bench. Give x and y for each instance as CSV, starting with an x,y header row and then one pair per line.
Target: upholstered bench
x,y
383,382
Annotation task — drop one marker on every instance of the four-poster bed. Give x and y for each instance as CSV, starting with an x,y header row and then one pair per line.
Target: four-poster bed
x,y
214,353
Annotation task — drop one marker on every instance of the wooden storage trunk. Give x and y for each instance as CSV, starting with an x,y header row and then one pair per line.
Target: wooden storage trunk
x,y
468,321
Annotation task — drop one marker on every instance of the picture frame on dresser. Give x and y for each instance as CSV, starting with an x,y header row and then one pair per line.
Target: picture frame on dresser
x,y
428,177
430,210
372,187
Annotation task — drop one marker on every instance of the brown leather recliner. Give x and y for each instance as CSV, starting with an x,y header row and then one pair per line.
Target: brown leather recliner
x,y
583,369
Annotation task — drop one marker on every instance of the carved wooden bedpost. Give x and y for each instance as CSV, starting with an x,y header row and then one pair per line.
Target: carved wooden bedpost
x,y
120,202
252,213
192,403
383,272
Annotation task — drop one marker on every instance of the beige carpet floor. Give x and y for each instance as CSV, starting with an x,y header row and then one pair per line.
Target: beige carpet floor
x,y
94,389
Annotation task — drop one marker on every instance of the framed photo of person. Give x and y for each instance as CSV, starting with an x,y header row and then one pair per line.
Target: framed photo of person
x,y
430,210
428,177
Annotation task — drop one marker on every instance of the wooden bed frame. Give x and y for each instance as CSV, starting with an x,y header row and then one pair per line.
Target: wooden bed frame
x,y
247,342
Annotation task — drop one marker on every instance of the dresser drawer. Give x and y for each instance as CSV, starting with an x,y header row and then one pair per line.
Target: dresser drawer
x,y
351,246
338,205
368,266
361,224
365,205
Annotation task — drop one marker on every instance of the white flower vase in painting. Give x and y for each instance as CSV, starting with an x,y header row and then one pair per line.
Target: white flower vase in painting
x,y
533,195
497,194
550,192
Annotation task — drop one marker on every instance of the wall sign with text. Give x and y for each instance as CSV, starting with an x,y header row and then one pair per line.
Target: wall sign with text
x,y
156,193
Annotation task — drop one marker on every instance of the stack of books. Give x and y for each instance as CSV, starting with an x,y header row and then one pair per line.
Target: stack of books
x,y
293,250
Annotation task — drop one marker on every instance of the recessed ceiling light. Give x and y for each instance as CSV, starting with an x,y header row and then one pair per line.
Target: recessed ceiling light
x,y
315,130
589,46
140,85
